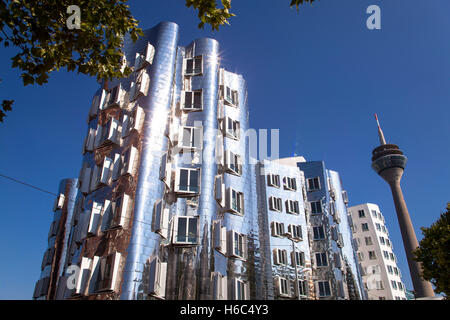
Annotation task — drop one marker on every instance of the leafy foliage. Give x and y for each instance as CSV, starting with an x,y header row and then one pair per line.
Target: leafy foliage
x,y
6,106
434,253
38,29
210,13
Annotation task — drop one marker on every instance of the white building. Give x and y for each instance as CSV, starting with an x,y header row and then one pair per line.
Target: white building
x,y
381,274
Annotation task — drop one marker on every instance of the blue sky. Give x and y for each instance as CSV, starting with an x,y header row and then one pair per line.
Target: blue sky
x,y
318,75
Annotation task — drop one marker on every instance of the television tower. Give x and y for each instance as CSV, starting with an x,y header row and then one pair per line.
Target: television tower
x,y
389,162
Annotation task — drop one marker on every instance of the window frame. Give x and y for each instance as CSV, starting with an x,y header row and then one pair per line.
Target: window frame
x,y
320,262
194,106
195,70
292,206
273,180
176,230
275,204
290,184
189,177
316,185
239,201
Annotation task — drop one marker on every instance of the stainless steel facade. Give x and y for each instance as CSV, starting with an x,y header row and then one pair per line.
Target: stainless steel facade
x,y
52,269
168,205
342,270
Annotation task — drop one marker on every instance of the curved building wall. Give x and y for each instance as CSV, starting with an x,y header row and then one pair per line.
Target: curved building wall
x,y
157,103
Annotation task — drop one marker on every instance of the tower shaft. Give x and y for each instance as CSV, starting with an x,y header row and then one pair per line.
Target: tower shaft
x,y
421,287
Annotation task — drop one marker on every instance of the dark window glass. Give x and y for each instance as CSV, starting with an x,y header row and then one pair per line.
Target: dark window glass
x,y
184,174
181,237
198,99
193,186
188,100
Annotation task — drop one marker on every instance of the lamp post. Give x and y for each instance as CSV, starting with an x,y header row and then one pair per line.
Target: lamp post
x,y
289,236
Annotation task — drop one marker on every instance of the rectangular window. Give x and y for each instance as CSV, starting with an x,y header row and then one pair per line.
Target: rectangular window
x,y
296,231
231,97
240,290
382,241
372,255
396,271
139,87
275,204
280,256
391,255
112,97
345,196
233,163
316,207
390,270
273,180
324,288
386,254
378,226
235,201
313,184
107,268
368,241
220,237
238,245
277,229
185,230
400,285
302,288
59,202
289,183
192,100
188,180
388,242
374,213
220,287
361,214
157,278
193,66
365,227
133,121
129,161
394,284
360,256
318,233
380,285
192,137
108,133
219,190
160,223
119,211
321,259
89,141
292,207
144,58
283,286
232,128
298,258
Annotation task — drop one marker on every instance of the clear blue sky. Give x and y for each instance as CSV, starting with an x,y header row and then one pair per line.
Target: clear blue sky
x,y
318,76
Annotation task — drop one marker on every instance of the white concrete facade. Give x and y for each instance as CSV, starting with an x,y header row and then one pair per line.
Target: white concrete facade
x,y
381,274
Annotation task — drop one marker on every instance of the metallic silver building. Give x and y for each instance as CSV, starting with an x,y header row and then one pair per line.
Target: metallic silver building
x,y
336,272
168,205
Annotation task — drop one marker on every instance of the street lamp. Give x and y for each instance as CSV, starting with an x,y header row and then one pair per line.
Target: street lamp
x,y
289,236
